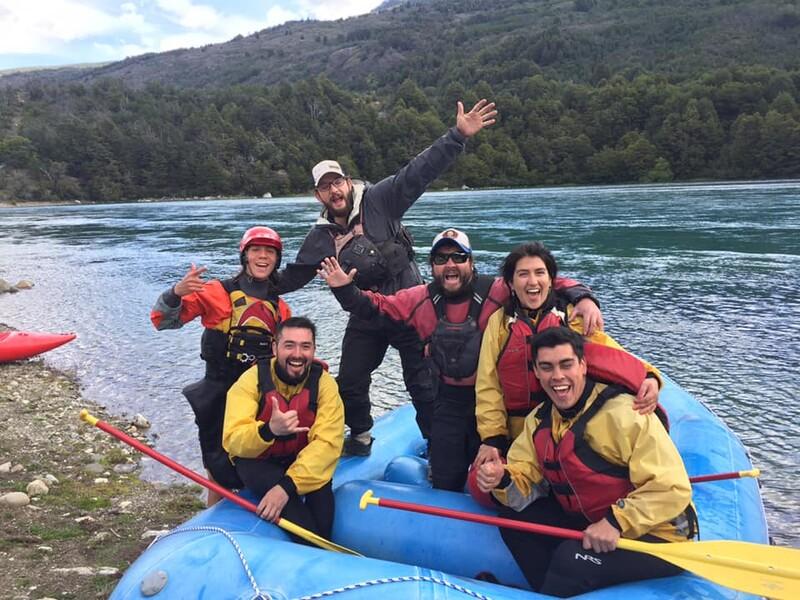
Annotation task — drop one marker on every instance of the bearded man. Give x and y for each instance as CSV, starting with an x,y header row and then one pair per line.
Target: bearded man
x,y
361,226
449,316
284,429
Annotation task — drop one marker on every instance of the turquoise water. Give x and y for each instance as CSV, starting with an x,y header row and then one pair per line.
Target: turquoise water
x,y
701,280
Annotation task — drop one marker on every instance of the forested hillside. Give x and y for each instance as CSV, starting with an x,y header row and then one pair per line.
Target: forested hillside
x,y
439,42
591,91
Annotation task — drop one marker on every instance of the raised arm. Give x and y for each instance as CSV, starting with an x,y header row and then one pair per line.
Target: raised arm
x,y
317,245
190,298
400,307
394,195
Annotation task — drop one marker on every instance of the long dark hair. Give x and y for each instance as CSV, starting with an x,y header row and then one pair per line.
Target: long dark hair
x,y
528,249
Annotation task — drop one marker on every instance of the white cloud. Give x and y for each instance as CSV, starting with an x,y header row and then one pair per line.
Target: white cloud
x,y
89,30
326,10
192,16
27,28
277,15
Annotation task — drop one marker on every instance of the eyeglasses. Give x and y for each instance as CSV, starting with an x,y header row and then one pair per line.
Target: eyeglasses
x,y
326,187
440,259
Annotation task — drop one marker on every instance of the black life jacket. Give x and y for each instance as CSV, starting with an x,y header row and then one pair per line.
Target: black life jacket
x,y
376,262
455,347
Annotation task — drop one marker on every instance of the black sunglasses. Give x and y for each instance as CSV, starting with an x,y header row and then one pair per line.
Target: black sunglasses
x,y
440,259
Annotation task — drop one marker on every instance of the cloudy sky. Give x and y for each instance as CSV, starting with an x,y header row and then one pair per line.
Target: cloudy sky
x,y
59,32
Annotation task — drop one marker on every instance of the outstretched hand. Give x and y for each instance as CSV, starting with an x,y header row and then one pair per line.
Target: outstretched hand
x,y
331,271
191,282
482,115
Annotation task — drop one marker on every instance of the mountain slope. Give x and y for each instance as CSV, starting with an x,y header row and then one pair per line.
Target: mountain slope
x,y
440,42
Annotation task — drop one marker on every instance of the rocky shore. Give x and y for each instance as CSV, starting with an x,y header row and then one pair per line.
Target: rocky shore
x,y
73,511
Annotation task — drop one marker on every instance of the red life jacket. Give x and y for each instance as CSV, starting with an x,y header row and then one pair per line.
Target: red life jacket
x,y
305,403
581,480
515,364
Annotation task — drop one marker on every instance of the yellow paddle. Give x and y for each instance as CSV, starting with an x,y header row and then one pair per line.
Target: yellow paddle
x,y
300,532
770,571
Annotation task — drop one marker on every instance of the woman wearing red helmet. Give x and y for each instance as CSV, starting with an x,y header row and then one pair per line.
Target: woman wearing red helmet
x,y
240,315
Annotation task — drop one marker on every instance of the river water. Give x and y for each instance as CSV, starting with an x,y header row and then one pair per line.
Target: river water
x,y
702,280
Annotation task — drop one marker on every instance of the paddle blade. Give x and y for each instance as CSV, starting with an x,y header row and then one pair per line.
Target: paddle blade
x,y
771,571
312,537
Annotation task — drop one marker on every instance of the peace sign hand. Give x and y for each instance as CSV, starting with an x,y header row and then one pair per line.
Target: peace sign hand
x,y
191,282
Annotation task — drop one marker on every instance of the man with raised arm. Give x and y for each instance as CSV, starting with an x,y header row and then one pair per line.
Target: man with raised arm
x,y
361,226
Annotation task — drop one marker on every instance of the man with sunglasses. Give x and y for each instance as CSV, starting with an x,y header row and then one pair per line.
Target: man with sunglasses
x,y
361,226
449,316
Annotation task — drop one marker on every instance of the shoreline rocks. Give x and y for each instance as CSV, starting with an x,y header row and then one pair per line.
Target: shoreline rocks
x,y
86,509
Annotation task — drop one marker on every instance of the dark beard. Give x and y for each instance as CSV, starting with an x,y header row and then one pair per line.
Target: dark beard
x,y
345,212
288,379
464,290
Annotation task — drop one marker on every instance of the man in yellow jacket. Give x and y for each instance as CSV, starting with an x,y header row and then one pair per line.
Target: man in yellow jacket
x,y
284,430
586,461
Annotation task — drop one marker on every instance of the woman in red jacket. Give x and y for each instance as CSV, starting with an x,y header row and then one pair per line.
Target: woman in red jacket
x,y
240,315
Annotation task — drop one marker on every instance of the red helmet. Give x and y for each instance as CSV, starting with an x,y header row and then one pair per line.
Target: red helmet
x,y
261,236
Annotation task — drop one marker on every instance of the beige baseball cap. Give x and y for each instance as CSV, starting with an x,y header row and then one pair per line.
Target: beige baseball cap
x,y
454,236
323,168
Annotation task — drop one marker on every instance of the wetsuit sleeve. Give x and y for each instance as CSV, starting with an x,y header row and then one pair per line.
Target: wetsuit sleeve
x,y
524,482
662,489
574,291
315,464
613,369
490,409
317,246
212,304
394,195
240,430
399,307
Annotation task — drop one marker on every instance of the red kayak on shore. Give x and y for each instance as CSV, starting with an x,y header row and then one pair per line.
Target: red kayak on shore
x,y
17,345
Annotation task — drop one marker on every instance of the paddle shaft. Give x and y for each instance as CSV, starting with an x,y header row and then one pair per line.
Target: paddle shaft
x,y
175,466
476,518
208,484
721,476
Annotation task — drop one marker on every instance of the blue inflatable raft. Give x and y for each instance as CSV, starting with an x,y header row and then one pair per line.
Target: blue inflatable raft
x,y
226,552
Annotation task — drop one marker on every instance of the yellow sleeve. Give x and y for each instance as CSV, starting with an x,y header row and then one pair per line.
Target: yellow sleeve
x,y
240,435
523,469
601,337
315,464
662,489
490,410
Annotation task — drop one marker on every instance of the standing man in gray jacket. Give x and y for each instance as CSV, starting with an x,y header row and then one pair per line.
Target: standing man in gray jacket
x,y
360,225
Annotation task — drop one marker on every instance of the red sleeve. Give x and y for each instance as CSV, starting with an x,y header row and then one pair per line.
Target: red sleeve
x,y
212,304
284,312
400,306
611,365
